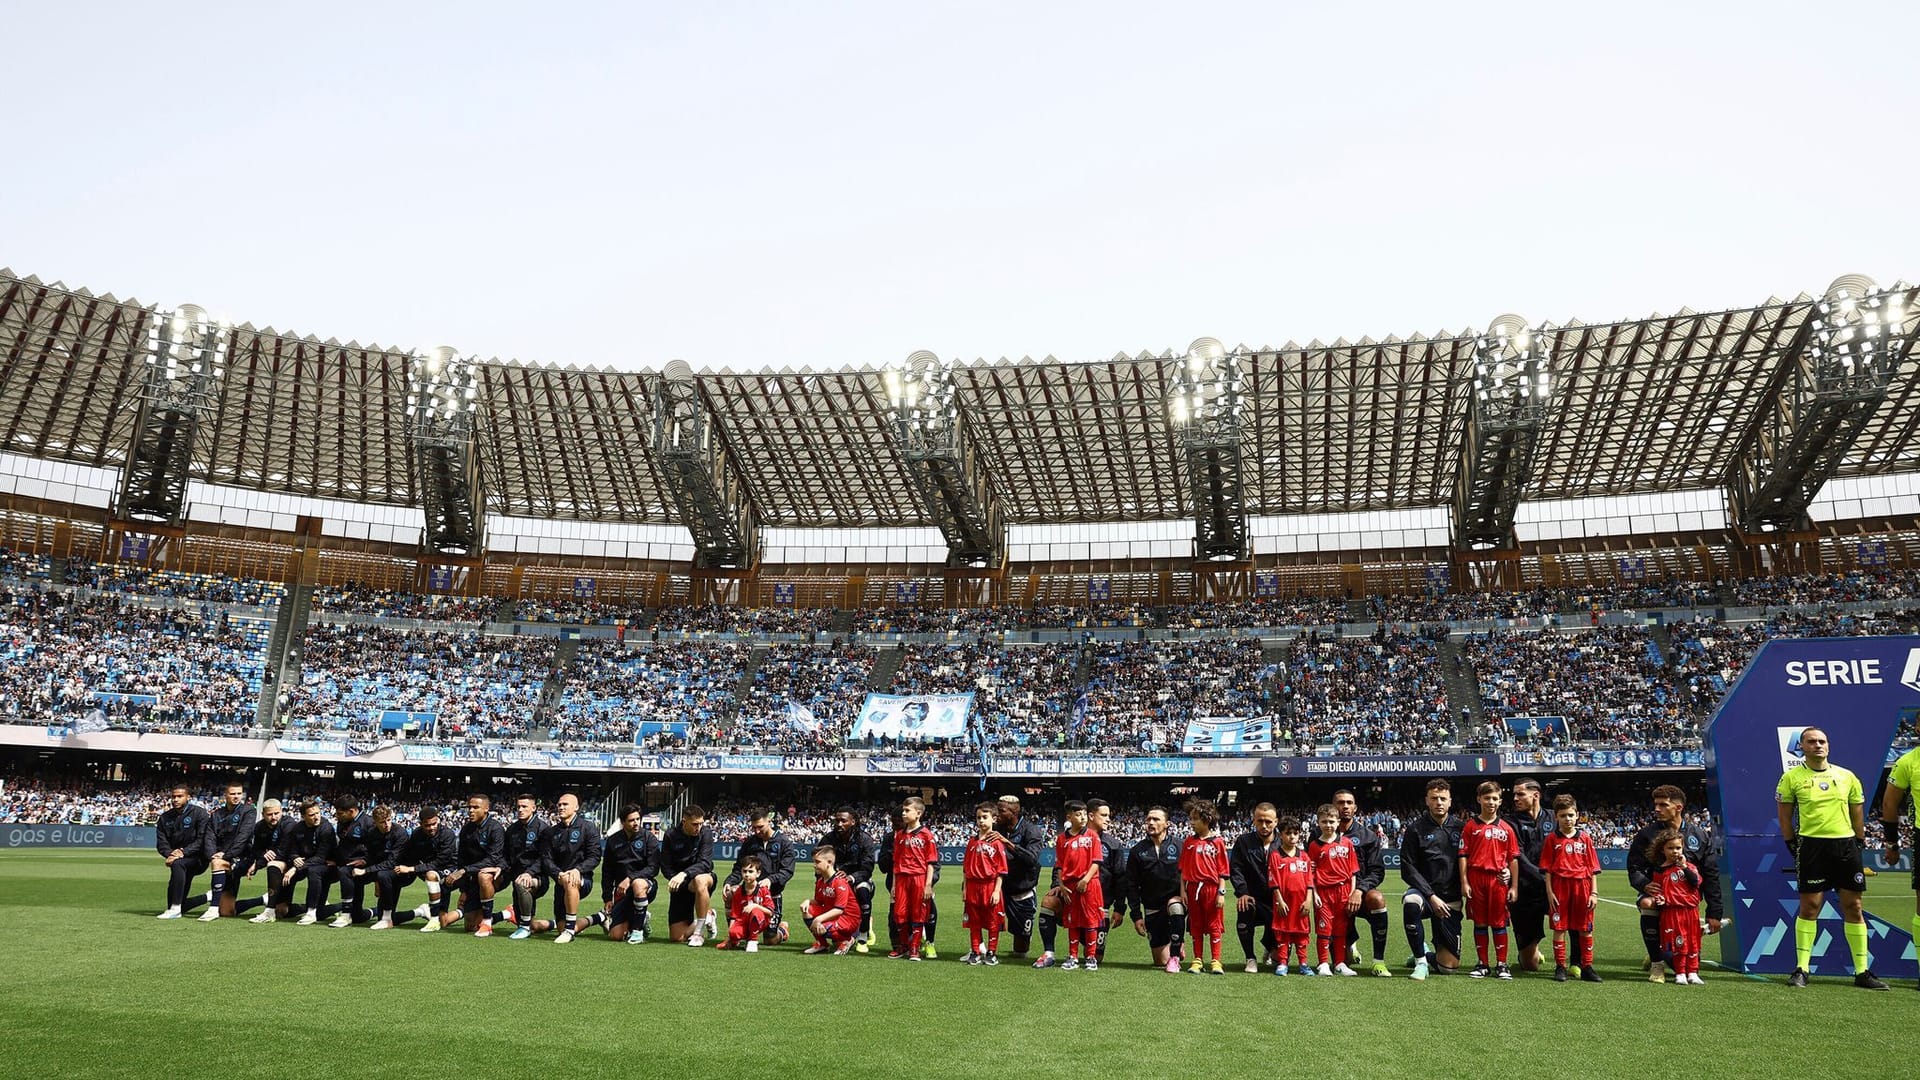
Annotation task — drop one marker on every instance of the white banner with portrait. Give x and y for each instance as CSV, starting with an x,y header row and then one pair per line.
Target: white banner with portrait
x,y
913,716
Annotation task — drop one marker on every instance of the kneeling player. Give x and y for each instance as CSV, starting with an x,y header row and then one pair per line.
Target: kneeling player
x,y
1570,862
834,912
571,854
426,853
632,863
480,860
686,856
526,864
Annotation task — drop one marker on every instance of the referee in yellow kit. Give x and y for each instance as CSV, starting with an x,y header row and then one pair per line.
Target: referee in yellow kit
x,y
1826,840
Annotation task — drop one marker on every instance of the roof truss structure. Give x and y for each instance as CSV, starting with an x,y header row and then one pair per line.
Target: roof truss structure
x,y
1657,404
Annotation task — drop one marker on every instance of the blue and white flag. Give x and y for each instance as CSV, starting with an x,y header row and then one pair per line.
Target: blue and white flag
x,y
1228,735
801,718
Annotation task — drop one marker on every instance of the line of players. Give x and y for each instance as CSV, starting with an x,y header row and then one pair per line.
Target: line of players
x,y
1526,868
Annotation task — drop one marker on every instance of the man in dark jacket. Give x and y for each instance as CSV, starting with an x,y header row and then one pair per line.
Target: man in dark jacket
x,y
1026,843
855,855
428,852
526,863
1153,890
480,857
572,854
311,845
1670,812
628,877
1253,899
775,852
353,848
233,822
686,857
1373,871
1528,915
181,838
1430,866
265,851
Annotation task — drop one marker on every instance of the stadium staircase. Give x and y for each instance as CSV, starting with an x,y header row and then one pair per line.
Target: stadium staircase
x,y
1275,651
1463,685
756,656
1361,610
1082,669
289,629
57,570
842,622
1662,641
564,652
886,664
505,611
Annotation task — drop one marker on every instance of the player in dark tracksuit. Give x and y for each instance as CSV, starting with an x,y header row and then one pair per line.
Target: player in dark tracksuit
x,y
629,874
385,841
686,858
310,846
348,863
1026,844
1152,885
265,851
428,852
776,856
1430,867
572,854
855,858
526,861
233,822
1373,871
181,837
1247,867
1528,914
1670,810
480,858
1113,872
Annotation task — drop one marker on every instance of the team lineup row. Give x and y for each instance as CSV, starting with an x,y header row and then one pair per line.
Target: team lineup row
x,y
1514,875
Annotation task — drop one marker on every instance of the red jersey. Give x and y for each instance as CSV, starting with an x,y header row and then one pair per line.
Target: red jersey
x,y
834,892
762,894
1291,874
1334,861
1569,856
986,860
1679,886
914,853
1489,845
1203,860
1074,855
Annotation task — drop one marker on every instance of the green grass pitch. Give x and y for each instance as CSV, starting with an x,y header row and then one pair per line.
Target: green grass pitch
x,y
91,985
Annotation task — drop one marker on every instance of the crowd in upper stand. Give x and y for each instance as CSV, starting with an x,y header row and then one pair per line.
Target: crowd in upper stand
x,y
351,599
64,659
614,693
1380,694
187,664
580,612
476,686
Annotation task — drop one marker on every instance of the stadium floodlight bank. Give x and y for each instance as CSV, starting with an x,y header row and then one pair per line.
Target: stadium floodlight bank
x,y
693,460
1512,386
1206,404
945,468
186,357
443,395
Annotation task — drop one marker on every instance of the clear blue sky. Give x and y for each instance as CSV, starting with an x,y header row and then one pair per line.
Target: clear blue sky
x,y
770,184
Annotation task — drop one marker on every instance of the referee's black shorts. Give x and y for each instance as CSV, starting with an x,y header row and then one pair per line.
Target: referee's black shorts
x,y
1829,862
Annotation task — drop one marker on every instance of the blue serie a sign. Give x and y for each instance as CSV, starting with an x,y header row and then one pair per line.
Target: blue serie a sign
x,y
1855,690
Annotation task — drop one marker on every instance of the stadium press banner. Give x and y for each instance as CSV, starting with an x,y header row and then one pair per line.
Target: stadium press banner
x,y
1228,735
1427,765
1855,690
910,716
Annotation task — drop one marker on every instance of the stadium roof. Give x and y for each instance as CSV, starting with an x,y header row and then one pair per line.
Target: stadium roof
x,y
1660,404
